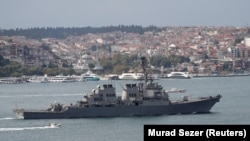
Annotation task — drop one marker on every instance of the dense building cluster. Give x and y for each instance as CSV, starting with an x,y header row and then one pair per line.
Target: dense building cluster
x,y
209,49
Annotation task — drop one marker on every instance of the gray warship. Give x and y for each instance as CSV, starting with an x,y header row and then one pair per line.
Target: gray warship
x,y
147,98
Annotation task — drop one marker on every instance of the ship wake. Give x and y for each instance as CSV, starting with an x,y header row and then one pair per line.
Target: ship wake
x,y
40,95
26,128
7,118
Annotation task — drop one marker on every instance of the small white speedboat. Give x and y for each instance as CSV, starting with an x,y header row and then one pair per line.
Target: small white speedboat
x,y
53,125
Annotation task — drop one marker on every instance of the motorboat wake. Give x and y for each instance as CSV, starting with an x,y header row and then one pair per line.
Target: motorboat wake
x,y
6,118
54,125
49,126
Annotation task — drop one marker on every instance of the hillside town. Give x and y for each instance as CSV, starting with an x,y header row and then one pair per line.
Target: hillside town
x,y
211,50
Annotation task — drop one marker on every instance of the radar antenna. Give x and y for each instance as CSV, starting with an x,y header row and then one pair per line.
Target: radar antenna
x,y
144,68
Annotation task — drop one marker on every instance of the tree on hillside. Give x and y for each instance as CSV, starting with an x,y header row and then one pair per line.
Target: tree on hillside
x,y
62,32
3,61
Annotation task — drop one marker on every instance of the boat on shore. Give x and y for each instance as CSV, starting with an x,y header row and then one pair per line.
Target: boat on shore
x,y
131,76
61,78
222,75
11,80
90,76
175,90
38,79
179,75
146,98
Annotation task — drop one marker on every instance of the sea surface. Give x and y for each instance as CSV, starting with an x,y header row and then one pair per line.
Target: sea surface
x,y
233,108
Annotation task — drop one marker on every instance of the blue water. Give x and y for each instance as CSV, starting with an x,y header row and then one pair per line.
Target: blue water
x,y
233,108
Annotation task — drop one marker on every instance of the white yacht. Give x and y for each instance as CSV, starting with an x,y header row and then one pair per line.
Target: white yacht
x,y
38,79
61,78
174,90
90,76
131,76
184,75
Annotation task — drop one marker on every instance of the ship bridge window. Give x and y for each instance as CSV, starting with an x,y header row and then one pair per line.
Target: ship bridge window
x,y
110,95
157,93
107,86
128,85
132,95
98,99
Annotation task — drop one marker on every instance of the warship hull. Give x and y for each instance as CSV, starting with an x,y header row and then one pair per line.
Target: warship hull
x,y
200,105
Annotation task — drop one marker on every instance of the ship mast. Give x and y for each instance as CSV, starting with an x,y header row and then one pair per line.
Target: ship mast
x,y
144,68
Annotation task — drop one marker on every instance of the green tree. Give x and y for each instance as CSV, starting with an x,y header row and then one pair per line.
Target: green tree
x,y
3,61
238,40
227,66
91,66
118,69
107,65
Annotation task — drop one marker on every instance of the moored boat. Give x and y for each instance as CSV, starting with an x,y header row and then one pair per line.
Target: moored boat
x,y
179,75
90,76
38,79
131,76
61,78
11,80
